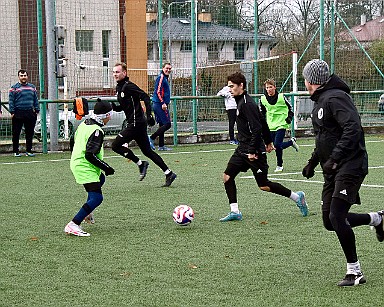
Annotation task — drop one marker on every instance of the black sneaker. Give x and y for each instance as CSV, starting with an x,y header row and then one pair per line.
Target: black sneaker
x,y
143,170
352,280
379,228
169,179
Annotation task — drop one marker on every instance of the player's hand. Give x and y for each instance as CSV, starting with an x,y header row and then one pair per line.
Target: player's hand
x,y
252,157
151,121
164,106
269,147
330,166
308,171
288,120
109,171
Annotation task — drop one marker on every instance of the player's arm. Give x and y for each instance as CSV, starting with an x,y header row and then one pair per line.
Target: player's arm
x,y
93,147
11,100
252,113
290,111
159,88
36,105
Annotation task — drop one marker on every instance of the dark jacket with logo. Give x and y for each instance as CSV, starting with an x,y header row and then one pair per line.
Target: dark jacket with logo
x,y
252,127
337,127
129,96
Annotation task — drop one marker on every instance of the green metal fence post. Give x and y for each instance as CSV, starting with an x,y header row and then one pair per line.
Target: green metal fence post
x,y
174,107
194,55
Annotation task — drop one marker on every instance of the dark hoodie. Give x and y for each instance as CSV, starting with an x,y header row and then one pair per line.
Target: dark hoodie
x,y
337,126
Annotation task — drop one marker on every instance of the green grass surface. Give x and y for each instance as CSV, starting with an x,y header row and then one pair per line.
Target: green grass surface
x,y
137,256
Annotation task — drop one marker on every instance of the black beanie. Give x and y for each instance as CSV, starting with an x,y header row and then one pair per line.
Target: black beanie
x,y
102,107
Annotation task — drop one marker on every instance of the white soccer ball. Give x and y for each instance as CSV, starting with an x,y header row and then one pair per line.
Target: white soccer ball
x,y
183,215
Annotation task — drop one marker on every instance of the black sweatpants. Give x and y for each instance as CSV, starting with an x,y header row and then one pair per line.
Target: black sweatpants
x,y
26,118
138,133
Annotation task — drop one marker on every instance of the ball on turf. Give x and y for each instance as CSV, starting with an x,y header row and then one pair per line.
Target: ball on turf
x,y
183,215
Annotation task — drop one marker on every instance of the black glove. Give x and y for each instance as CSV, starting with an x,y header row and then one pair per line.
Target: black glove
x,y
330,166
109,171
308,170
288,120
151,121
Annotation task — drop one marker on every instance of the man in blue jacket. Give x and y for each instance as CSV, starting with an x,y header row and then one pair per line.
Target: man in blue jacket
x,y
24,107
161,99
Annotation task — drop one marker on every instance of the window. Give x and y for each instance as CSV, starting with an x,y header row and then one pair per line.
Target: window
x,y
239,49
186,46
84,40
150,52
213,51
105,40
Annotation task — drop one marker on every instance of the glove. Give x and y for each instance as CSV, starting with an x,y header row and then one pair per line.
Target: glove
x,y
308,170
151,121
288,120
109,171
330,166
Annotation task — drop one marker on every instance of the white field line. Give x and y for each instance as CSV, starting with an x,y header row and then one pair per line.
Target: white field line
x,y
278,178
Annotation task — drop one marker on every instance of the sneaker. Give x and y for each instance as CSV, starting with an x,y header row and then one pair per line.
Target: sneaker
x,y
151,143
165,148
279,169
302,204
143,170
234,142
379,228
169,179
29,154
90,219
294,144
352,280
72,229
232,216
17,154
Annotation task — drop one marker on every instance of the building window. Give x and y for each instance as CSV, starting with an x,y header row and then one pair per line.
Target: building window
x,y
239,49
213,51
105,42
186,46
150,52
84,40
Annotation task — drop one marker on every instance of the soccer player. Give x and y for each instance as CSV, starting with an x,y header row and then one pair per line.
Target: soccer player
x,y
253,135
87,164
340,150
129,96
278,112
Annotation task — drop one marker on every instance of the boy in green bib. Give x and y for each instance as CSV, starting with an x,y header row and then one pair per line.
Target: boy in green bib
x,y
87,164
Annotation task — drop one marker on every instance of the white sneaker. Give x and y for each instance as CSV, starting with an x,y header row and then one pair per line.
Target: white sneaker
x,y
279,169
72,229
90,219
294,144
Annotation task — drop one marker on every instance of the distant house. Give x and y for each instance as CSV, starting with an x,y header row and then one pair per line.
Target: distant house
x,y
366,32
215,43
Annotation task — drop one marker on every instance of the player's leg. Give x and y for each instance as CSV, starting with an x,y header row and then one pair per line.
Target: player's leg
x,y
260,172
17,125
95,198
231,125
29,125
143,142
278,137
235,165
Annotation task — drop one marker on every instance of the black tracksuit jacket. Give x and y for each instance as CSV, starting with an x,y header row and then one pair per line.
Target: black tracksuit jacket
x,y
337,127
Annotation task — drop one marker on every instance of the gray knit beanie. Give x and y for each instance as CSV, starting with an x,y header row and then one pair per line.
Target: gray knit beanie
x,y
316,72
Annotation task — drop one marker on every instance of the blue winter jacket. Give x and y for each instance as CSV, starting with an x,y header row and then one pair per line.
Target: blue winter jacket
x,y
162,92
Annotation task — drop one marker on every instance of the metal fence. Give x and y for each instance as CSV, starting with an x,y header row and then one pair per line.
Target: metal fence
x,y
193,115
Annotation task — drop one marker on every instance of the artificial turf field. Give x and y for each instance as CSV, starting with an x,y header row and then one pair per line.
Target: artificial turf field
x,y
137,256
